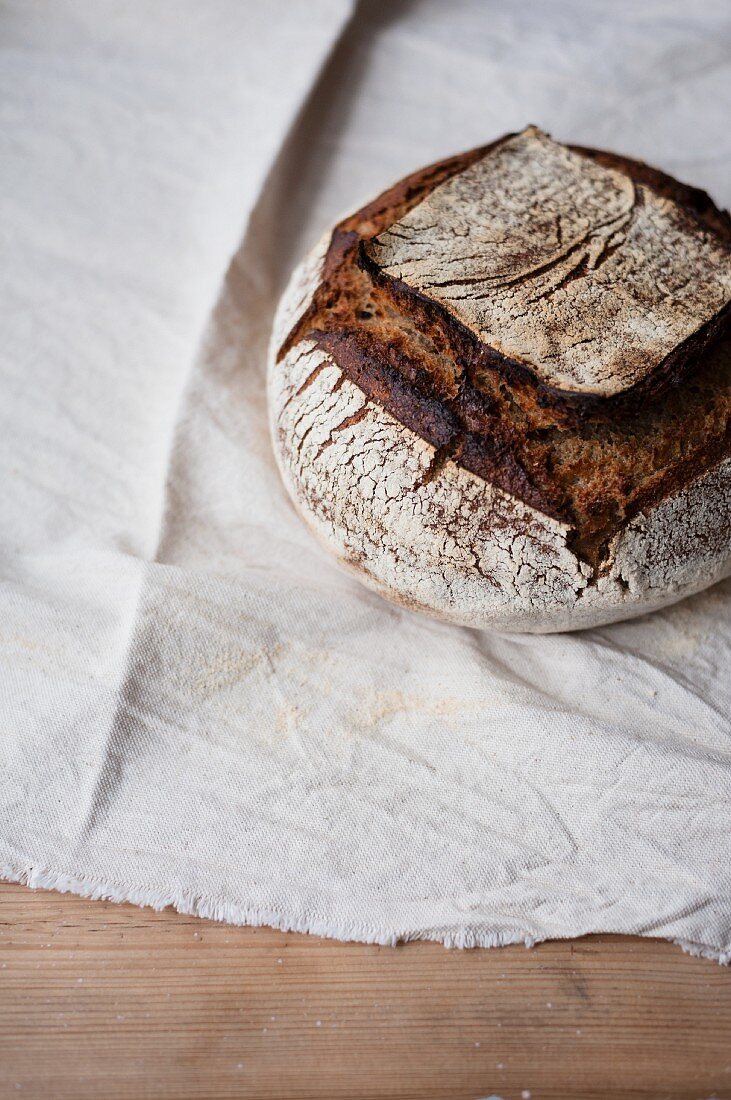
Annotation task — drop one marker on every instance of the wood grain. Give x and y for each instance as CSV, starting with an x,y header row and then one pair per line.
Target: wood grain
x,y
102,1000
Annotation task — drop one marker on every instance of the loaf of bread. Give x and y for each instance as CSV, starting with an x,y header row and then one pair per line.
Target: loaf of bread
x,y
500,392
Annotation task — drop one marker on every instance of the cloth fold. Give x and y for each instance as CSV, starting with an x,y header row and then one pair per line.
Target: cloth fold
x,y
200,709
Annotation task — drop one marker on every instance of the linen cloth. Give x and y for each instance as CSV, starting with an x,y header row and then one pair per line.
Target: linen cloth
x,y
198,708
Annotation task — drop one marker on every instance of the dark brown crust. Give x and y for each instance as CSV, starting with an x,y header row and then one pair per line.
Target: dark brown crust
x,y
696,203
366,363
574,403
464,416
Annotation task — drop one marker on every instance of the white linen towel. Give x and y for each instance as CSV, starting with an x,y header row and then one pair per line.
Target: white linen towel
x,y
198,708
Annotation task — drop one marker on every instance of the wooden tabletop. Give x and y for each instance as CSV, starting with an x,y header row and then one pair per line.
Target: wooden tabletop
x,y
109,1001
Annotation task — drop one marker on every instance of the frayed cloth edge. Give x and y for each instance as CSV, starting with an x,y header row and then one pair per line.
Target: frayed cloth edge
x,y
703,952
230,913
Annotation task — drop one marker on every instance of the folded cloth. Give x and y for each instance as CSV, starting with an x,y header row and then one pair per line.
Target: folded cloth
x,y
199,708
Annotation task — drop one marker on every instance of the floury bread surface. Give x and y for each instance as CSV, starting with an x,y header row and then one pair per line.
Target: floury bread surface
x,y
592,278
500,476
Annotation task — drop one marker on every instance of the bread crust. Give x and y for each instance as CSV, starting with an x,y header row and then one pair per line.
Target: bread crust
x,y
428,533
598,286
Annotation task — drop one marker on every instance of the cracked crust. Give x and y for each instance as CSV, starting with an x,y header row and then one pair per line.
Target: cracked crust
x,y
405,513
589,278
456,547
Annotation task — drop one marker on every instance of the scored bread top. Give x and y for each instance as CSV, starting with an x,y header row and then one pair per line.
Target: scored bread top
x,y
591,462
566,265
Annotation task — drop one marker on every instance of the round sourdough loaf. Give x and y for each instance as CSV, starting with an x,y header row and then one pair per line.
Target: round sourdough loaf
x,y
500,393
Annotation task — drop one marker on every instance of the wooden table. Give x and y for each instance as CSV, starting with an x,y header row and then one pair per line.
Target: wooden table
x,y
109,1001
